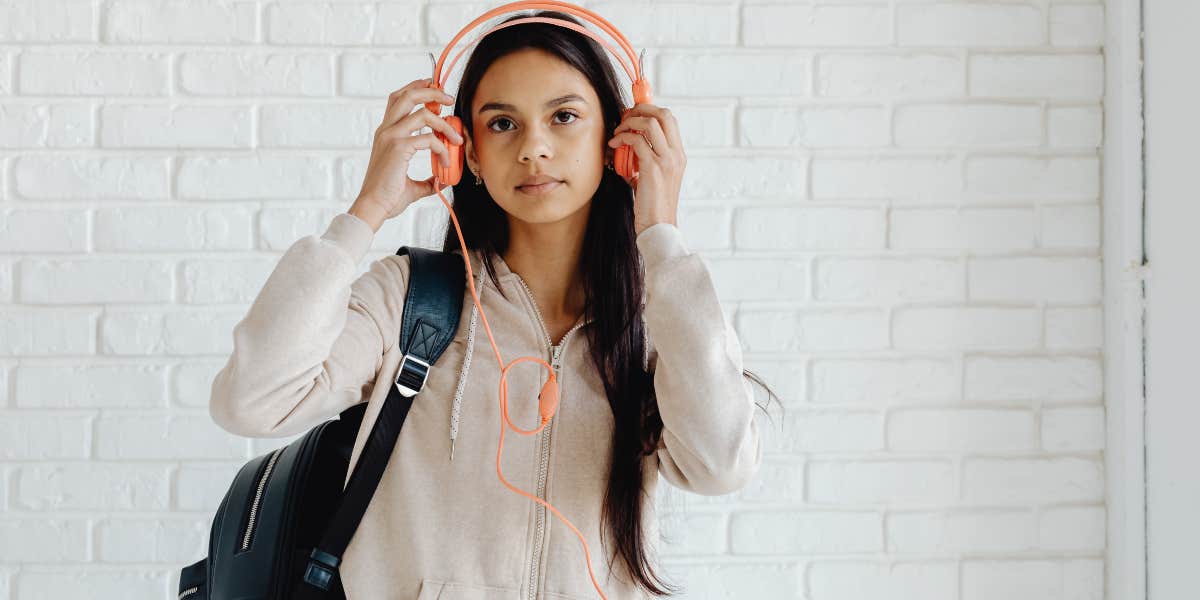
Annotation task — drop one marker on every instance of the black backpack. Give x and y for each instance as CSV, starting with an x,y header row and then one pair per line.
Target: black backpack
x,y
285,521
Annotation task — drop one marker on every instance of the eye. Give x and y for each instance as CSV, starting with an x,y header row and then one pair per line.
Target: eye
x,y
561,112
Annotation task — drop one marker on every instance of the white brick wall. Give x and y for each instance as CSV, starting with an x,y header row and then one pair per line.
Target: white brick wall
x,y
898,199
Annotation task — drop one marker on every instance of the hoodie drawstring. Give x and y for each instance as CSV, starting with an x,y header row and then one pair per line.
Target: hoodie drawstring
x,y
466,366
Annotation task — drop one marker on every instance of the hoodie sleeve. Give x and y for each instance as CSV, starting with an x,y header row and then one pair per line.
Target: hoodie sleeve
x,y
710,443
314,337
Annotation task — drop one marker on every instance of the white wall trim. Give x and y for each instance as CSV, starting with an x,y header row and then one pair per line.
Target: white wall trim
x,y
1124,379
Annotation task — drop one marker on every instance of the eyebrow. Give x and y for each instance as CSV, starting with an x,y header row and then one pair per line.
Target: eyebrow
x,y
554,102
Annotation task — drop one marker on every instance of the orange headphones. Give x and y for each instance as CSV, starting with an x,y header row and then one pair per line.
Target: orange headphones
x,y
625,164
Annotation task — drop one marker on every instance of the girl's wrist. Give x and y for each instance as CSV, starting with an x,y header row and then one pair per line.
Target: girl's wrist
x,y
371,214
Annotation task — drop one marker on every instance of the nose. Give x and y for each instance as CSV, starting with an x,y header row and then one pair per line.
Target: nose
x,y
535,144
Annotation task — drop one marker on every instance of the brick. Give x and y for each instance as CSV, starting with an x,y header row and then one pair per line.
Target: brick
x,y
778,179
1052,378
787,228
673,23
1021,481
826,431
92,486
98,280
961,531
319,125
1057,76
327,24
814,127
1077,25
1073,429
1035,278
43,332
202,486
27,540
30,230
811,330
778,480
373,75
960,430
1072,529
693,533
293,178
92,582
1033,579
90,386
804,532
889,483
37,435
90,178
981,229
959,24
162,541
31,21
173,228
884,381
773,579
167,333
175,126
45,124
904,179
965,328
1073,227
932,580
1028,177
758,279
256,73
168,436
814,24
887,280
733,74
93,72
1075,328
968,125
877,75
1075,126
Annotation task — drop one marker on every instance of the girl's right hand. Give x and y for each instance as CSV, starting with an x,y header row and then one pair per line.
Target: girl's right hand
x,y
387,189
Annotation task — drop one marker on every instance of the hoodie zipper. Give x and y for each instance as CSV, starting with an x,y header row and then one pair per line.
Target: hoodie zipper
x,y
555,363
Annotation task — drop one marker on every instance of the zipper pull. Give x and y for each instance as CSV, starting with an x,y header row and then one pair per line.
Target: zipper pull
x,y
555,359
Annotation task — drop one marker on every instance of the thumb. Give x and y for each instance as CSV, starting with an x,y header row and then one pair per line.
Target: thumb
x,y
426,187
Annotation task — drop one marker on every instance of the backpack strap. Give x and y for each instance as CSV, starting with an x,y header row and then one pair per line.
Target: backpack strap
x,y
436,283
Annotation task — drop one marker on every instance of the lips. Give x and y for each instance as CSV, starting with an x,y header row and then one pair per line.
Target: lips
x,y
540,188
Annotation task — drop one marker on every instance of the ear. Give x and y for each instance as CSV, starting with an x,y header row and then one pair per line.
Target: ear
x,y
469,154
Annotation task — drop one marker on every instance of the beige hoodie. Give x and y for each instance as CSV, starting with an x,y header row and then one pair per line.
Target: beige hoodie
x,y
319,334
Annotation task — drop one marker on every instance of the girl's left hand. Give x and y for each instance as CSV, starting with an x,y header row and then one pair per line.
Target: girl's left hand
x,y
660,163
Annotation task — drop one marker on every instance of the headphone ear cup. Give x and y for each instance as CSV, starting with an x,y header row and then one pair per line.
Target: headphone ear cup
x,y
453,173
624,158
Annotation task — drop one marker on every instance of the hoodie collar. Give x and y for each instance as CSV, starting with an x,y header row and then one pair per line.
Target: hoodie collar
x,y
504,273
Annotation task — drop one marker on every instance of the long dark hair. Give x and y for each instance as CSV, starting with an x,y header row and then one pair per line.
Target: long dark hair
x,y
612,277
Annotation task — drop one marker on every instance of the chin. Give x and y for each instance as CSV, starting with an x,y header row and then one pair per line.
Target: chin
x,y
546,208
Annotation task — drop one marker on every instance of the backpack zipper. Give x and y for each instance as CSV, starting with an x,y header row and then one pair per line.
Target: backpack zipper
x,y
555,363
258,494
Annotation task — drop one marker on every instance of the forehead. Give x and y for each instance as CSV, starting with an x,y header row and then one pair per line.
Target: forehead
x,y
527,79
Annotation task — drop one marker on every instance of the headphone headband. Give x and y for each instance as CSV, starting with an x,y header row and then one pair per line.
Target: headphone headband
x,y
641,88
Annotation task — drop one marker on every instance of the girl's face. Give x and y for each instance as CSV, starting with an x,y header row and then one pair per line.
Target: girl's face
x,y
534,114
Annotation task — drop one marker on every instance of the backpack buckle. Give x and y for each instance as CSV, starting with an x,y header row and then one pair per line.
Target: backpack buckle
x,y
412,375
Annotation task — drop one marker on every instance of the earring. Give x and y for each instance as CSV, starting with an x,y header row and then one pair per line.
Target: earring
x,y
478,181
